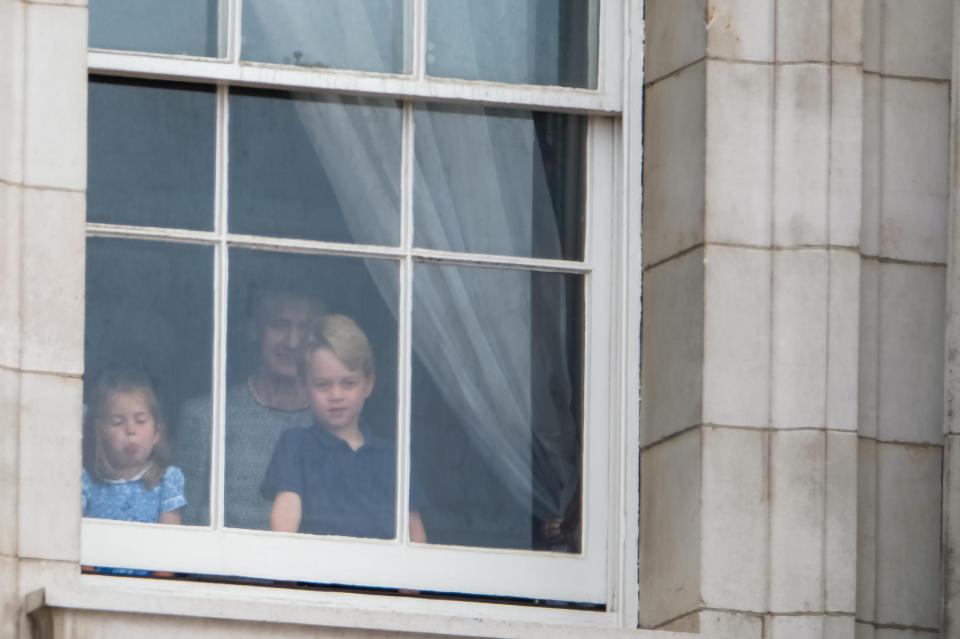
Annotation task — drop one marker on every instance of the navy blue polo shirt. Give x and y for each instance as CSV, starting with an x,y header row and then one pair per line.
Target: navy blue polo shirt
x,y
342,491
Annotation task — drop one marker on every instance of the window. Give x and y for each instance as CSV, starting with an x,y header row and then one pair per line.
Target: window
x,y
440,178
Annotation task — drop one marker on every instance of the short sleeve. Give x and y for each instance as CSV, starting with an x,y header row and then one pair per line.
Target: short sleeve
x,y
85,493
171,490
283,473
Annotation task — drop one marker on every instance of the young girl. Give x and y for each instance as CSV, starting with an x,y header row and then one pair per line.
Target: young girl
x,y
129,476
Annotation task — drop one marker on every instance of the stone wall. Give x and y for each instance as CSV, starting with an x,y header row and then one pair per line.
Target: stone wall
x,y
795,221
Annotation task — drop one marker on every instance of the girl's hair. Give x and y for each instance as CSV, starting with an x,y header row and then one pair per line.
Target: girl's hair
x,y
120,380
344,338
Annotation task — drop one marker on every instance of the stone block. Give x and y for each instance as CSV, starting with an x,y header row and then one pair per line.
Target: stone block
x,y
9,427
11,90
872,139
730,624
55,96
736,359
669,529
911,353
53,281
740,29
843,354
739,153
915,173
864,631
905,633
868,376
50,434
908,535
846,155
803,31
797,496
847,31
672,352
799,338
11,243
840,525
735,519
836,627
795,627
918,38
9,599
675,35
801,154
951,537
866,555
872,35
673,164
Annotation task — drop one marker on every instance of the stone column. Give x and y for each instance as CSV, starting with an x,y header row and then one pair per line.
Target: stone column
x,y
903,246
752,200
42,182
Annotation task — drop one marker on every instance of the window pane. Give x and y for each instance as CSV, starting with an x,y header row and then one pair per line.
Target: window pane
x,y
496,406
151,154
149,336
315,167
186,27
552,42
499,181
279,439
365,35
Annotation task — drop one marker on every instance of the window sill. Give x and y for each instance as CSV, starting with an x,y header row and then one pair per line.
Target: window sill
x,y
233,603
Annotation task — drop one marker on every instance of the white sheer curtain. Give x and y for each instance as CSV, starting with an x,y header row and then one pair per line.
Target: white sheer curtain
x,y
465,320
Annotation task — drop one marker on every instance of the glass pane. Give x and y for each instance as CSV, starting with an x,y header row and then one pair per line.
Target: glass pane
x,y
179,27
149,336
318,423
151,154
499,181
315,167
496,406
364,35
552,42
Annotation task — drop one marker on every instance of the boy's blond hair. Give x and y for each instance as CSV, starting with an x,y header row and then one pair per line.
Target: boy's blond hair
x,y
342,336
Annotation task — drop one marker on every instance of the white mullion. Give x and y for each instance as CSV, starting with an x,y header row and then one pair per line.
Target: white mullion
x,y
222,268
292,245
404,320
419,67
349,82
500,261
234,27
95,229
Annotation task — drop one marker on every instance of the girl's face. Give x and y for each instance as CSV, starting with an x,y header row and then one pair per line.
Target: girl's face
x,y
129,431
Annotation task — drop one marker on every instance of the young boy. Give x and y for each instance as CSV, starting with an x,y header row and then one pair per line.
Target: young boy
x,y
334,477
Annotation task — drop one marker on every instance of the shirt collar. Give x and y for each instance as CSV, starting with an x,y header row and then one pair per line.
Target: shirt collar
x,y
329,440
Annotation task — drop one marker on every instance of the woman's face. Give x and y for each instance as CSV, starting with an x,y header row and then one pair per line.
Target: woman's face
x,y
129,430
282,326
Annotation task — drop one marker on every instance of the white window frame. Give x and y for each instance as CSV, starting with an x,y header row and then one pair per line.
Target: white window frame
x,y
610,266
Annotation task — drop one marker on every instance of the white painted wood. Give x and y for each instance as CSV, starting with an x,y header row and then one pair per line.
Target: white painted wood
x,y
253,74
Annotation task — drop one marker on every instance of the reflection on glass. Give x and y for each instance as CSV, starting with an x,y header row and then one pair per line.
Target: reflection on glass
x,y
364,35
148,347
496,406
178,27
276,301
551,42
315,167
151,154
499,181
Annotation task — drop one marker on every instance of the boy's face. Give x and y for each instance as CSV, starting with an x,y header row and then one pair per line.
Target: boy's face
x,y
335,392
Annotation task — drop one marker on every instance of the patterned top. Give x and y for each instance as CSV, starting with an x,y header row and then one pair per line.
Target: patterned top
x,y
252,434
130,499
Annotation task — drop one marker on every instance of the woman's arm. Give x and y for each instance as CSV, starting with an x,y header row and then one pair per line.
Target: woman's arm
x,y
286,513
418,534
171,517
